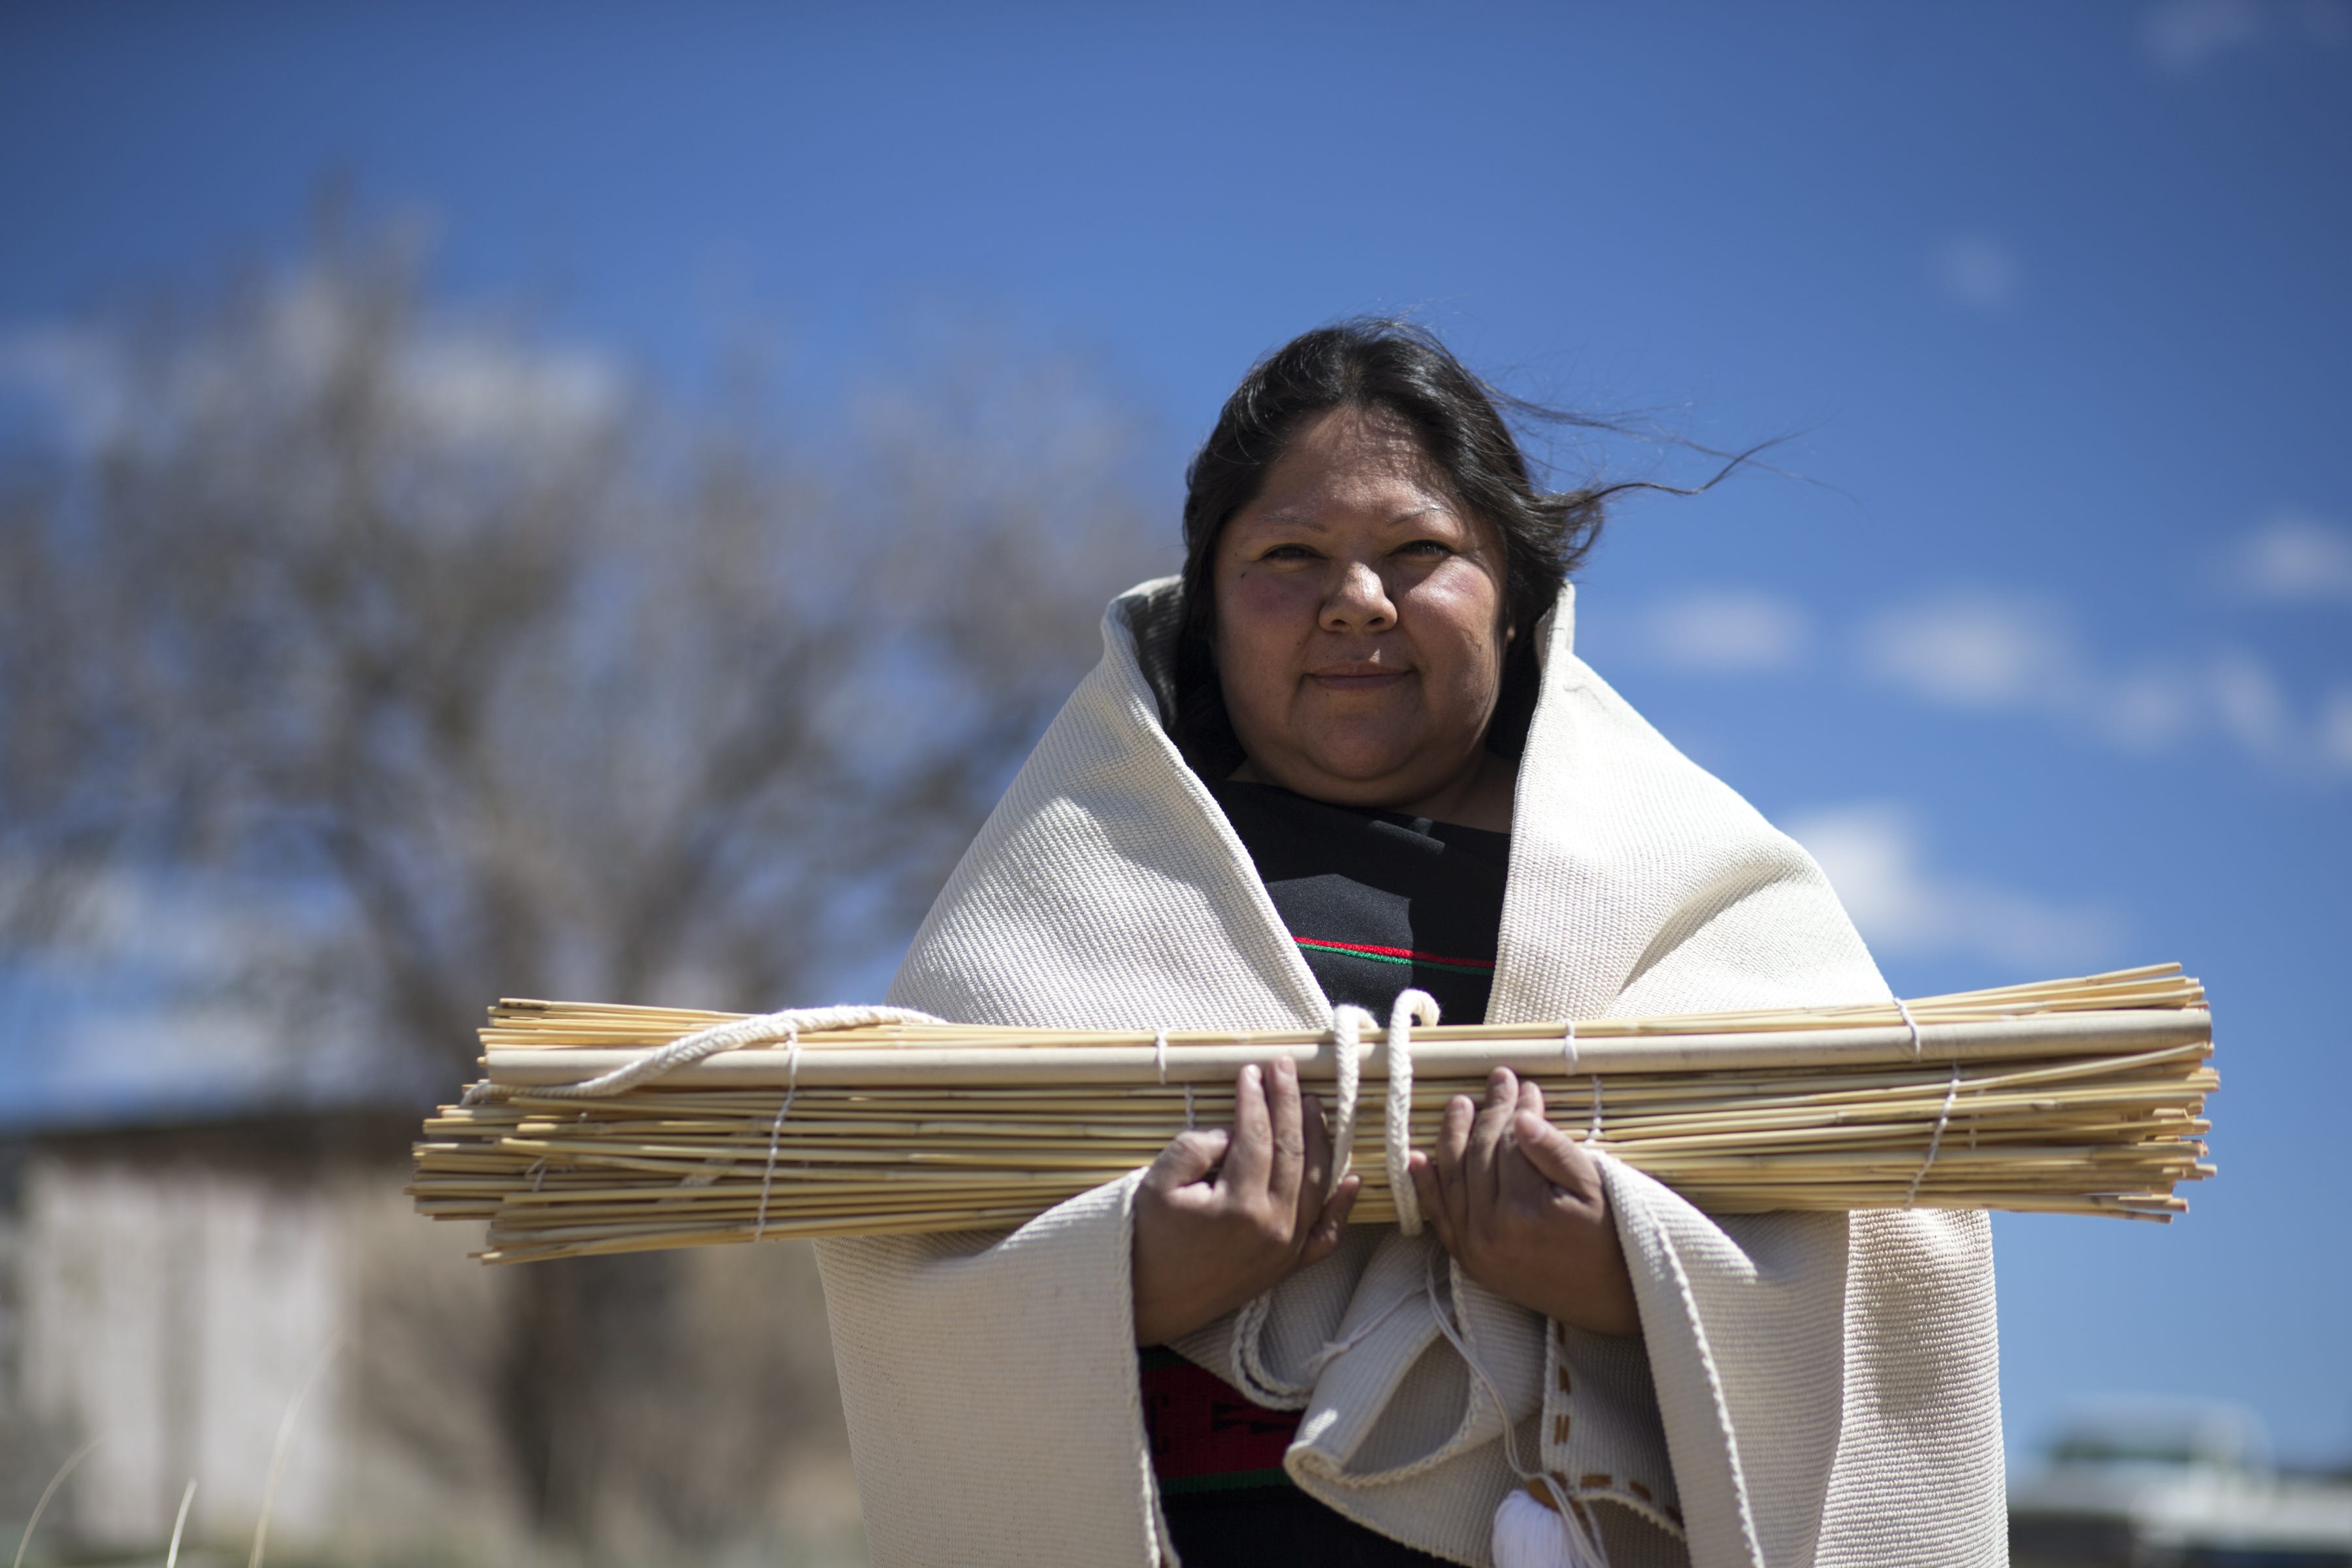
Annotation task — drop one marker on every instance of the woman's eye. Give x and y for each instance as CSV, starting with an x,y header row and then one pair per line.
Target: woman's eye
x,y
1429,548
1289,552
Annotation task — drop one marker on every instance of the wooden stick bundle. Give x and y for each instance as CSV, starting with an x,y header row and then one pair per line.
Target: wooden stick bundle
x,y
2077,1097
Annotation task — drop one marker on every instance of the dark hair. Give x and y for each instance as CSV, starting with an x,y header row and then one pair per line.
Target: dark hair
x,y
1401,370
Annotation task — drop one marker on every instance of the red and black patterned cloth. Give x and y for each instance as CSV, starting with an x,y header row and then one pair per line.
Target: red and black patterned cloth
x,y
1377,902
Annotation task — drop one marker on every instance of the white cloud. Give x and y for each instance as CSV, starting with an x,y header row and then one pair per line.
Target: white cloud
x,y
1874,857
2024,653
1726,631
2335,731
1978,271
1979,650
2295,557
2178,36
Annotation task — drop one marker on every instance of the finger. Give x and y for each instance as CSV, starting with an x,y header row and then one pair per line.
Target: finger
x,y
1316,1174
1251,1154
1519,1183
1332,1223
1432,1196
1453,1139
1556,1157
1480,1172
1188,1158
1286,1179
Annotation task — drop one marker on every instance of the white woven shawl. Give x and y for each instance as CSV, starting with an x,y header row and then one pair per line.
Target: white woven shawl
x,y
1808,1389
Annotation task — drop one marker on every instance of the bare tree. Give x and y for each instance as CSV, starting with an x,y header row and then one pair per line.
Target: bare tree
x,y
496,672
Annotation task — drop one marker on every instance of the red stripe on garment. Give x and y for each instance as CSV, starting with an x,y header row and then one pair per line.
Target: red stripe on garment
x,y
1407,954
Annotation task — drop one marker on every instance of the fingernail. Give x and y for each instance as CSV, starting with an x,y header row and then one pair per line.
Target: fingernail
x,y
1250,1072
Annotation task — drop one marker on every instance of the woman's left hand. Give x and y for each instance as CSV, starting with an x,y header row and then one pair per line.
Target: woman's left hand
x,y
1522,1207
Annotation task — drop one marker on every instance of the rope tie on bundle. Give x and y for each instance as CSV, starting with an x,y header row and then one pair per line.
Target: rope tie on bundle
x,y
776,1128
1412,1007
687,1049
737,1034
1936,1139
1348,1025
1943,1119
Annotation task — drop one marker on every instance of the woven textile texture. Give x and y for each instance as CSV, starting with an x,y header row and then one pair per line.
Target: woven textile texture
x,y
1808,1389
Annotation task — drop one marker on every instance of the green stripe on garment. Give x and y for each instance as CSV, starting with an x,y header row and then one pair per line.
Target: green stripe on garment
x,y
1459,965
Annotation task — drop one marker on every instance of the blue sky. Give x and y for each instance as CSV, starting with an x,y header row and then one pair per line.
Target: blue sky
x,y
2053,665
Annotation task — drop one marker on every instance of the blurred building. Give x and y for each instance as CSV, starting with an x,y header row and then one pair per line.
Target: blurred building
x,y
2172,1486
171,1290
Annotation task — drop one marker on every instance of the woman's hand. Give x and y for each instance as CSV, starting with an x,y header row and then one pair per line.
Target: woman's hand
x,y
1520,1207
1224,1216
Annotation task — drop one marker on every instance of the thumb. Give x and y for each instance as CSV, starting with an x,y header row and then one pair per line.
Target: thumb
x,y
1323,1240
1557,1158
1188,1157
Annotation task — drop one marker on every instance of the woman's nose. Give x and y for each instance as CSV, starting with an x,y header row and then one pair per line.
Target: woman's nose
x,y
1358,602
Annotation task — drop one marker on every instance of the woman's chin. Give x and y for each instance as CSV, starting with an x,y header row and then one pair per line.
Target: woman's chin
x,y
1355,776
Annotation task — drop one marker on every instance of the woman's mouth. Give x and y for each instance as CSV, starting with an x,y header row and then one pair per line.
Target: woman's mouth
x,y
1357,675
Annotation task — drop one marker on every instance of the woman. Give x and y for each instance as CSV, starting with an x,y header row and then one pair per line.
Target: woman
x,y
1352,749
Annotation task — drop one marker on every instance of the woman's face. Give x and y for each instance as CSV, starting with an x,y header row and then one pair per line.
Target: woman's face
x,y
1360,622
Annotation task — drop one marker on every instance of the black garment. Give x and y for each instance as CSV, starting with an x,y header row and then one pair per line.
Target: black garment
x,y
1377,901
1277,1527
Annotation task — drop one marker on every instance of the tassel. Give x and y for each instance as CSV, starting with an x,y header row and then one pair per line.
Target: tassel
x,y
1531,1534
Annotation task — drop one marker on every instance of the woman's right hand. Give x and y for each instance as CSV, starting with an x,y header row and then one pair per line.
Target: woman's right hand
x,y
1222,1217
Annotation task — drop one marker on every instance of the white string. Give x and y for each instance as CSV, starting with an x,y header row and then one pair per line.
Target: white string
x,y
776,1128
736,1034
1567,1048
1159,1052
1411,1007
1936,1139
1912,1025
1188,1108
1592,1134
1347,1026
1332,1349
1584,1547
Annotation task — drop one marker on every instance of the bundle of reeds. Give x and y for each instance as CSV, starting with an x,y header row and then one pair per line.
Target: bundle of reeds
x,y
596,1131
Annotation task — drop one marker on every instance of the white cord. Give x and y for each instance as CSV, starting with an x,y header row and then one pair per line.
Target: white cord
x,y
1936,1139
1159,1052
1332,1349
1592,1134
736,1034
1347,1026
1583,1547
1917,1047
1412,1007
776,1128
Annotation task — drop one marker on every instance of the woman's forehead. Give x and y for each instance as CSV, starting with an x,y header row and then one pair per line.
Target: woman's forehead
x,y
1351,462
